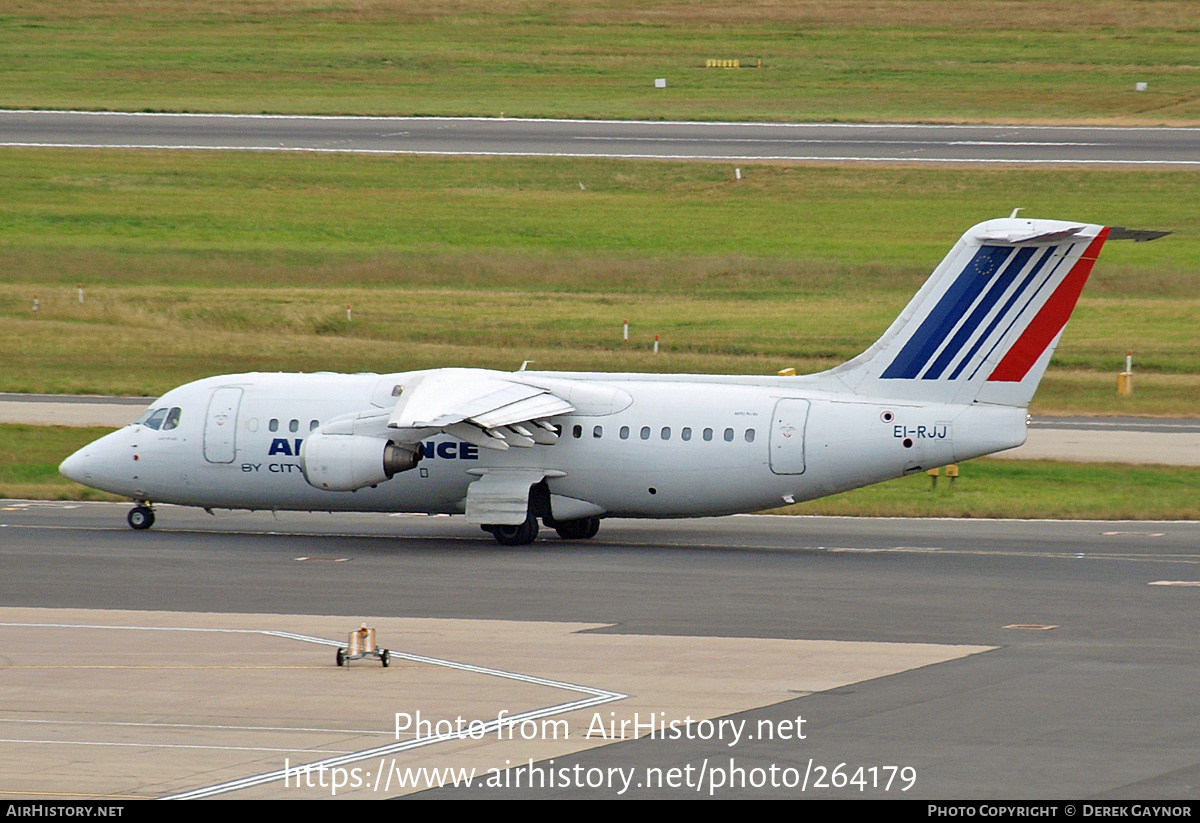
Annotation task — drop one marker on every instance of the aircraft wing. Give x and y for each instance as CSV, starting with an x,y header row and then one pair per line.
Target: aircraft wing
x,y
478,406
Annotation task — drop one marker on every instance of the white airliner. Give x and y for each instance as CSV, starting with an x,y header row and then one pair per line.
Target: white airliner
x,y
951,379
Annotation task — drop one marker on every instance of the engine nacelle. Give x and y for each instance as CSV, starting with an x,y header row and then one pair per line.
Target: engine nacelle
x,y
346,462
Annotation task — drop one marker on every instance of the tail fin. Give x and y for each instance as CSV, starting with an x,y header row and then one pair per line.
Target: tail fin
x,y
984,325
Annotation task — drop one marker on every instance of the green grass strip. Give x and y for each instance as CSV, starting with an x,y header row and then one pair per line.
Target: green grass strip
x,y
904,60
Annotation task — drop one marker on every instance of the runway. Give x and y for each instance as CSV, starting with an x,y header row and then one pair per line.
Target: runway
x,y
1082,682
820,142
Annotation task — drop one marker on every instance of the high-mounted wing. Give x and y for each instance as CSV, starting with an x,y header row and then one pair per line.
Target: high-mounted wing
x,y
477,406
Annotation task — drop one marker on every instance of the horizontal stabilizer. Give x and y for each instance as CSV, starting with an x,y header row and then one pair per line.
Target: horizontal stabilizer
x,y
1136,235
1024,236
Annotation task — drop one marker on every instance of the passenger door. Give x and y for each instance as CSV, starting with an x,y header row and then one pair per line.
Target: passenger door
x,y
787,436
220,425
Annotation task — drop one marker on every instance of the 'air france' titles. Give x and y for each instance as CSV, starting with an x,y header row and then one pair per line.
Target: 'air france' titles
x,y
447,450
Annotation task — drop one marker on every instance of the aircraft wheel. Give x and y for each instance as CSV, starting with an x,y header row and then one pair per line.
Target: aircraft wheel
x,y
141,517
593,528
521,535
582,529
341,657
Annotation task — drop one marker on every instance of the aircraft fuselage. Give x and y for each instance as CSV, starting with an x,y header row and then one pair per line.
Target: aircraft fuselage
x,y
679,448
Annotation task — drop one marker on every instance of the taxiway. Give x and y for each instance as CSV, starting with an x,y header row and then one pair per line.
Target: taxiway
x,y
1064,664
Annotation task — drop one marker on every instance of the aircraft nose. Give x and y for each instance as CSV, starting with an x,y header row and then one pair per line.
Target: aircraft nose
x,y
75,466
105,464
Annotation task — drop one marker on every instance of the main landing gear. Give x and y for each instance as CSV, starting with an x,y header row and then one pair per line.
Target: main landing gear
x,y
141,516
521,535
584,528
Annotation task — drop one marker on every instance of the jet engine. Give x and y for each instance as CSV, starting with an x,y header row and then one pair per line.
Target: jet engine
x,y
346,462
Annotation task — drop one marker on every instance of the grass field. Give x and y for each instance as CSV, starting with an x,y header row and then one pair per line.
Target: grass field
x,y
29,458
1028,489
204,263
199,263
877,60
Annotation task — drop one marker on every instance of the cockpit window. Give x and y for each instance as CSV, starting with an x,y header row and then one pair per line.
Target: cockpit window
x,y
172,420
155,420
144,416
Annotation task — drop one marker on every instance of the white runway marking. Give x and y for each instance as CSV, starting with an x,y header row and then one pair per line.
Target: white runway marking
x,y
725,123
613,156
806,140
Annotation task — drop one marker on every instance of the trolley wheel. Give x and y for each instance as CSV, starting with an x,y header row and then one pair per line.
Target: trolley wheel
x,y
341,657
140,517
386,657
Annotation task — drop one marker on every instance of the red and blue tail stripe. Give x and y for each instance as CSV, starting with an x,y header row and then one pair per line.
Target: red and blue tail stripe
x,y
1050,320
1006,311
985,324
966,319
1002,281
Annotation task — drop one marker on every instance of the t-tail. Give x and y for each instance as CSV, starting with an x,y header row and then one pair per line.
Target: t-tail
x,y
984,326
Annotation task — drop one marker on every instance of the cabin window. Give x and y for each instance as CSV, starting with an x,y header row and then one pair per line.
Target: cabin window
x,y
172,420
749,435
598,432
294,426
686,433
708,433
313,425
729,435
577,432
252,424
273,425
155,420
645,433
666,433
624,432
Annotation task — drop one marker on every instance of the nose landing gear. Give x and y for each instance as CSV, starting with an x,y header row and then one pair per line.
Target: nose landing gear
x,y
141,516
